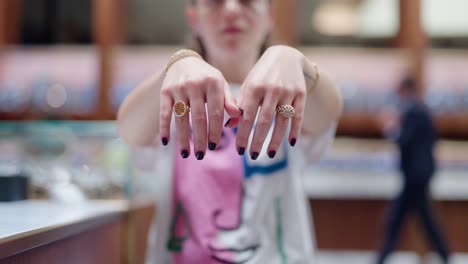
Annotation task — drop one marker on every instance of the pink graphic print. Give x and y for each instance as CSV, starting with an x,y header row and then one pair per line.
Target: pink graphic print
x,y
207,196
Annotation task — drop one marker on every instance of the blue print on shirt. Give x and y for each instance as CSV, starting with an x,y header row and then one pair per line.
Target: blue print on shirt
x,y
265,170
262,169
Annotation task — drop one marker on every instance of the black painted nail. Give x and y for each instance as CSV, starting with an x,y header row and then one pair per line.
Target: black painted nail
x,y
200,155
164,141
242,111
271,154
254,155
211,146
227,122
241,151
184,153
293,142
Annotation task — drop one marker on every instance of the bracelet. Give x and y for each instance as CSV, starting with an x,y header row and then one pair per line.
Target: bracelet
x,y
181,54
315,80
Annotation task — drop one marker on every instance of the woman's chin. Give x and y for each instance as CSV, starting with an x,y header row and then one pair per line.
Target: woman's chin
x,y
232,44
231,50
236,48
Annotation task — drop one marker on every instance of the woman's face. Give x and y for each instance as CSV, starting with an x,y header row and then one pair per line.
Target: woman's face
x,y
231,27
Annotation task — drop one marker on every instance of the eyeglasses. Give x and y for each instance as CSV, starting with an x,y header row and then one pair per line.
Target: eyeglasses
x,y
220,3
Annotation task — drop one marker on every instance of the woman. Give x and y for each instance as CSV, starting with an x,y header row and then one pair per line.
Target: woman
x,y
240,201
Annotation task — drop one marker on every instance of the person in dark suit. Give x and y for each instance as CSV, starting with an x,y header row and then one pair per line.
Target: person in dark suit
x,y
415,136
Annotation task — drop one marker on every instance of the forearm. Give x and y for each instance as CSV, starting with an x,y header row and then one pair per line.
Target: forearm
x,y
138,117
324,102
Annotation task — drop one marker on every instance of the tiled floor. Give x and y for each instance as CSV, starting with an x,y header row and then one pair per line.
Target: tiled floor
x,y
361,257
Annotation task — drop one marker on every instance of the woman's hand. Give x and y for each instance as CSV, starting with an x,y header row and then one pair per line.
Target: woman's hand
x,y
277,79
194,82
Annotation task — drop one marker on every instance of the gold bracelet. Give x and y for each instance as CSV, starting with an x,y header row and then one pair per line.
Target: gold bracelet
x,y
181,54
315,80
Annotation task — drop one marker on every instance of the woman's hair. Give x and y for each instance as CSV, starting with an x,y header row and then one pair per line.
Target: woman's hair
x,y
196,44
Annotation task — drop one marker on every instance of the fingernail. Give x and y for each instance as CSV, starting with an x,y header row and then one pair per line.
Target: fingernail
x,y
164,141
211,146
227,122
241,151
200,155
184,153
271,154
293,142
242,111
254,155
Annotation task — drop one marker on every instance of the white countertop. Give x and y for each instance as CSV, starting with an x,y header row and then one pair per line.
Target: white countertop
x,y
364,184
368,169
23,218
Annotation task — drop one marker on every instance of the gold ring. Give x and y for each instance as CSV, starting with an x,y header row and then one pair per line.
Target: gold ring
x,y
180,108
287,111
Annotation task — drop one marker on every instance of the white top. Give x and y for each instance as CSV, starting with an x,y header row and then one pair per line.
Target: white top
x,y
275,219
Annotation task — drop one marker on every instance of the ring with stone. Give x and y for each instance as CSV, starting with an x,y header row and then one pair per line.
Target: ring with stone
x,y
180,108
287,111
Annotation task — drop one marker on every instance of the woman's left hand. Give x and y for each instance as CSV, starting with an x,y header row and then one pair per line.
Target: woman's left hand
x,y
277,79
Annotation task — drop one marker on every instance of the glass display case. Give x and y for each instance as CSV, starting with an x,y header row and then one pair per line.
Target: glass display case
x,y
85,189
73,161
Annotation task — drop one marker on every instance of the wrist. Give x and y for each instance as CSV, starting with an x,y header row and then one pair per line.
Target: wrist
x,y
311,74
180,55
288,52
310,70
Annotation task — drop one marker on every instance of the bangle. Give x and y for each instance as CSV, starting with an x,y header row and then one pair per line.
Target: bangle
x,y
181,54
315,80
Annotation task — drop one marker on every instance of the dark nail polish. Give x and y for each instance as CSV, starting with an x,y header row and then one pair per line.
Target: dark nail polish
x,y
227,122
164,141
293,142
200,155
211,146
271,154
184,153
242,111
254,155
241,151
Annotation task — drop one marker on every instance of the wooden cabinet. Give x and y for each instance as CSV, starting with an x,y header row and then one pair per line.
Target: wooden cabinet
x,y
112,232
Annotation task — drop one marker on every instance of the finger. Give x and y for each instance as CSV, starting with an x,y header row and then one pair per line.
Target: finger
x,y
279,130
165,116
232,108
296,121
183,128
215,104
263,125
230,102
198,114
250,106
232,122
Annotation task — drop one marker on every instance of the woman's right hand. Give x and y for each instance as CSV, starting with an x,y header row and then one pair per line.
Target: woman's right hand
x,y
195,82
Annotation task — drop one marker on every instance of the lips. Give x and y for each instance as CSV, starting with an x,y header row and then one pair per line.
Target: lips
x,y
232,30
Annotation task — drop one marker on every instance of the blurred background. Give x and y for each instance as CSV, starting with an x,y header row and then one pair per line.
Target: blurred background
x,y
66,66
